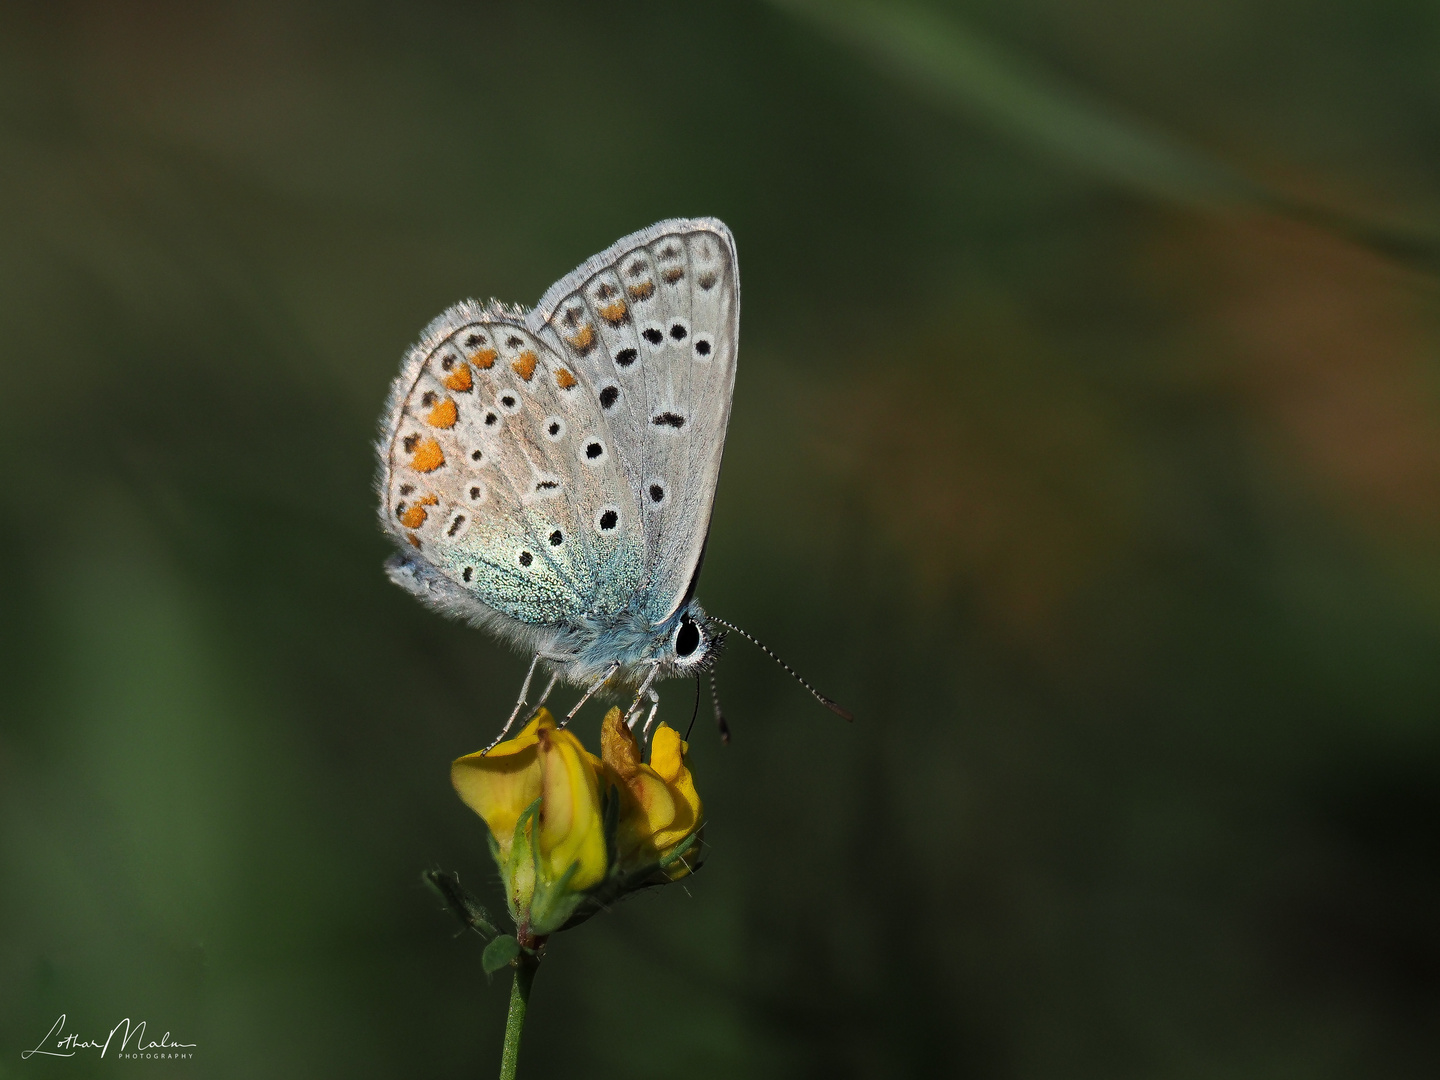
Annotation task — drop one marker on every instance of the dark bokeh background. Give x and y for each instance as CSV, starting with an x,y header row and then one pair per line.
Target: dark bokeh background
x,y
1086,443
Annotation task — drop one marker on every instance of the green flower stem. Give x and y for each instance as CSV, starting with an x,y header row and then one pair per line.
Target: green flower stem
x,y
525,965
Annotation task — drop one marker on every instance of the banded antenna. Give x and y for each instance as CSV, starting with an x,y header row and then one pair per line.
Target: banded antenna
x,y
837,709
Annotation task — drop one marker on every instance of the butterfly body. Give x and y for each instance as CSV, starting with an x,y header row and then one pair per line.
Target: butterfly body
x,y
549,474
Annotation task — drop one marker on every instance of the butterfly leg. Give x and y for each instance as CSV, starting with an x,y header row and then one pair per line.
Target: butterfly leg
x,y
595,686
520,704
654,708
548,687
640,694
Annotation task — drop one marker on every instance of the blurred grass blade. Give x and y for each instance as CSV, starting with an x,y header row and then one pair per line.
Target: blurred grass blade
x,y
963,69
956,66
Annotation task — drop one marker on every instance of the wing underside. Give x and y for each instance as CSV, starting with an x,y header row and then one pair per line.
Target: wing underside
x,y
562,463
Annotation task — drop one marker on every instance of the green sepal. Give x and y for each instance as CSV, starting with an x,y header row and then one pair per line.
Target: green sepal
x,y
680,849
499,953
553,902
542,905
619,883
520,871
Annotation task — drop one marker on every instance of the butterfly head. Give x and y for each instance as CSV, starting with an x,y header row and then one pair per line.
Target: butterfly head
x,y
692,642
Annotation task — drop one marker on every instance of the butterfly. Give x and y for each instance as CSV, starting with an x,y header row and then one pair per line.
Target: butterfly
x,y
549,475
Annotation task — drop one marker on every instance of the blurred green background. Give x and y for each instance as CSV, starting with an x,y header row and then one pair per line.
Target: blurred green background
x,y
1086,444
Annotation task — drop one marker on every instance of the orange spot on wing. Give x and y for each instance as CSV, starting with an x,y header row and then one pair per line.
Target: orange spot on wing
x,y
427,457
564,379
444,414
524,365
484,359
614,313
642,291
413,516
584,338
414,540
674,274
460,381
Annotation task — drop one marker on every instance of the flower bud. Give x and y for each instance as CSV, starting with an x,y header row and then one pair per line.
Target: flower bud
x,y
659,806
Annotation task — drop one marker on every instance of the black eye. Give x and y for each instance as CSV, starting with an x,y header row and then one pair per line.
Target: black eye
x,y
688,639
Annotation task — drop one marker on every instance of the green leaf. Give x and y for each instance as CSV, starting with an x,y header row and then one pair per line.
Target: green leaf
x,y
462,905
499,953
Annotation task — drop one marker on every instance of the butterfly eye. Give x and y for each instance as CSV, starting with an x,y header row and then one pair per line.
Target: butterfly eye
x,y
687,638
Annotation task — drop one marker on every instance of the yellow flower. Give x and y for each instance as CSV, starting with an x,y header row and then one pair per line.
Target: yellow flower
x,y
573,833
551,856
660,807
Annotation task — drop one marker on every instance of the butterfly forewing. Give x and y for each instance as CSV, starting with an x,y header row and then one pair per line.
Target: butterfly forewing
x,y
652,324
591,328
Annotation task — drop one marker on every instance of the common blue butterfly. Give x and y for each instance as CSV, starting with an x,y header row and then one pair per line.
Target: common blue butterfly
x,y
549,474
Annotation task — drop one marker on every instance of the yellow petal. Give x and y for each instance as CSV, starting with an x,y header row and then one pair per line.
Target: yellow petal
x,y
667,753
618,748
501,784
571,829
667,759
659,804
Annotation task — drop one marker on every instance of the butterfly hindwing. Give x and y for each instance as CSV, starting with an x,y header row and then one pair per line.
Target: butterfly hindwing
x,y
492,472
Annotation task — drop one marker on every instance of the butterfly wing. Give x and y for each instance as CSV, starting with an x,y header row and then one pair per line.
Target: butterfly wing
x,y
488,474
651,327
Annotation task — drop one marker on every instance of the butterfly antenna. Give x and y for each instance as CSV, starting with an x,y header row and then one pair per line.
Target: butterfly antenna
x,y
694,712
838,710
719,716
